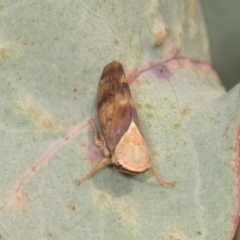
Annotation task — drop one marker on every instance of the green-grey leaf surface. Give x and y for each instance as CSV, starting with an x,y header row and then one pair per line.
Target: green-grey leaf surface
x,y
51,57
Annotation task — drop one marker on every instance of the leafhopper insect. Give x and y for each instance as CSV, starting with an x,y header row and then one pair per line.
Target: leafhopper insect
x,y
122,142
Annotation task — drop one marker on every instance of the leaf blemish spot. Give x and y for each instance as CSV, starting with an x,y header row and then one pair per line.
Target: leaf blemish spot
x,y
102,199
46,122
92,154
128,213
149,106
72,207
160,33
176,126
2,52
36,114
138,105
161,71
187,111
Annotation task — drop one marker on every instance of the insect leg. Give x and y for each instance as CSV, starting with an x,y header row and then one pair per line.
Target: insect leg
x,y
159,178
94,170
99,141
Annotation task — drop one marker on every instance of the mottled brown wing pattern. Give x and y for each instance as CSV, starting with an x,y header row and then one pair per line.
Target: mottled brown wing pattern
x,y
115,106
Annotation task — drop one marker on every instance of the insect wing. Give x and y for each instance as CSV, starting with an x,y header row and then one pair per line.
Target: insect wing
x,y
115,106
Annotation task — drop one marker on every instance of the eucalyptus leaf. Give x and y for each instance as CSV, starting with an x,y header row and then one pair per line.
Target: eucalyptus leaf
x,y
52,54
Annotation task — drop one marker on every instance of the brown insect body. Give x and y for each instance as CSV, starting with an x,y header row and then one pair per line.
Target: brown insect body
x,y
119,121
123,143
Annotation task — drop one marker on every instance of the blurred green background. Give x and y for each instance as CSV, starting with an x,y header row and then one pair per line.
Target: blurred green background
x,y
223,24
